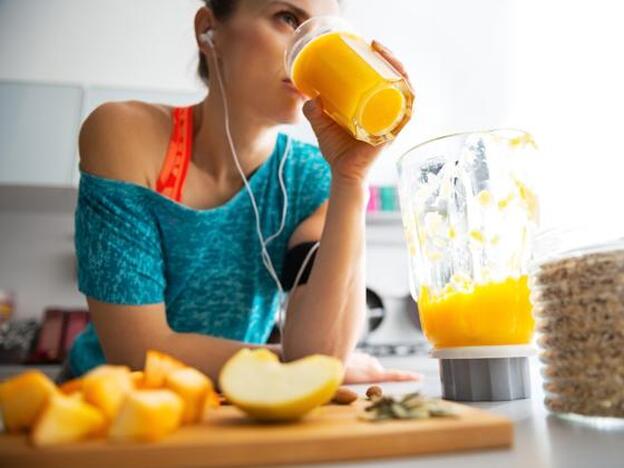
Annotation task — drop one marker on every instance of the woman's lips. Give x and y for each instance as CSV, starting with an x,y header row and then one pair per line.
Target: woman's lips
x,y
291,87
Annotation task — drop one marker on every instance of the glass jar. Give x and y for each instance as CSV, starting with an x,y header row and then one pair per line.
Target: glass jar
x,y
469,216
357,87
577,284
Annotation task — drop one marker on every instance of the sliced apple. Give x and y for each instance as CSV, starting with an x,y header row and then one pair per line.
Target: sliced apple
x,y
259,384
157,366
106,386
23,397
66,419
147,415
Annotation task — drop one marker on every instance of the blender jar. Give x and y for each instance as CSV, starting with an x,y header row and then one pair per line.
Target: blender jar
x,y
469,216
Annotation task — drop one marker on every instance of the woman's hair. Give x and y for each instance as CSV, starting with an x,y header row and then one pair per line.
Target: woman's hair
x,y
222,10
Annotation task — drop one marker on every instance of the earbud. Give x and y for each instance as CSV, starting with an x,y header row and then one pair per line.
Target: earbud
x,y
207,37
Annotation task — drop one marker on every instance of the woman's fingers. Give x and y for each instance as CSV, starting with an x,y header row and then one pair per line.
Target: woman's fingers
x,y
402,376
389,56
313,110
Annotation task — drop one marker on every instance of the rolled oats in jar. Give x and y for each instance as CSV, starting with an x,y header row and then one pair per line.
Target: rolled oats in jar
x,y
578,301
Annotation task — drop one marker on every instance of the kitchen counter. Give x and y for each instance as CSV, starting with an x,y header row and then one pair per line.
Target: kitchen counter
x,y
540,439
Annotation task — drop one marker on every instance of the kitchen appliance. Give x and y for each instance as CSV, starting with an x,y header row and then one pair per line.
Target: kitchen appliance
x,y
393,327
469,215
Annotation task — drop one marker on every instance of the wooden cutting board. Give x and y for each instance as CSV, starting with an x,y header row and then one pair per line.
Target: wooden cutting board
x,y
228,438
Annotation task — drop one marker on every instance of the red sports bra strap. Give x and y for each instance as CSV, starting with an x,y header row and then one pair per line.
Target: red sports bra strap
x,y
175,166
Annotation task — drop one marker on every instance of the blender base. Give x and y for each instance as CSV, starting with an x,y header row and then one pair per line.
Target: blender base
x,y
485,373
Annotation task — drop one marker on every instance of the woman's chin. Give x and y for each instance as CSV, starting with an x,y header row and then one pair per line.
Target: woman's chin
x,y
290,115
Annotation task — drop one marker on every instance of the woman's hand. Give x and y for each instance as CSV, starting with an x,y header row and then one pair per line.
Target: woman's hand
x,y
364,368
350,159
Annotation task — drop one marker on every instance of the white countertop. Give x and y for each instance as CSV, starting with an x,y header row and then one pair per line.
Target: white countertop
x,y
540,439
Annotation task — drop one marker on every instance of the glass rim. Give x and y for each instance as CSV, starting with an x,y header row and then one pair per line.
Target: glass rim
x,y
450,136
301,37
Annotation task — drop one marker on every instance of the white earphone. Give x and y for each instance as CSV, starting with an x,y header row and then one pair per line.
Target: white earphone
x,y
208,38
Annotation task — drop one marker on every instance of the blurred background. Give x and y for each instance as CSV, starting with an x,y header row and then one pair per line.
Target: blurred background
x,y
553,68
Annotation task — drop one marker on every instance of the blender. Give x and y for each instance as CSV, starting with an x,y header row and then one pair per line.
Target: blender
x,y
469,215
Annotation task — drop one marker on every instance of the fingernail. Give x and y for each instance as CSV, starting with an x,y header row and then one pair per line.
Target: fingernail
x,y
381,46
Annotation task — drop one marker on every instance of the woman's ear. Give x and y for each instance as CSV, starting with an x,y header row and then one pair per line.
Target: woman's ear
x,y
204,27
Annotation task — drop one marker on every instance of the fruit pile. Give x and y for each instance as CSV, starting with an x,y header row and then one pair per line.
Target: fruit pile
x,y
110,401
113,402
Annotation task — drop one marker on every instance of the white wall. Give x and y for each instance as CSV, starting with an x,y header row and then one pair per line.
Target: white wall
x,y
568,89
125,43
456,53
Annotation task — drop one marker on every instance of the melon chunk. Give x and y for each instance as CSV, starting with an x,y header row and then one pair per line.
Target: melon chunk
x,y
23,397
66,419
194,388
147,415
266,389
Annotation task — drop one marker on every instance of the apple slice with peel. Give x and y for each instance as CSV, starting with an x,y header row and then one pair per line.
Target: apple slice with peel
x,y
147,415
23,397
268,390
66,419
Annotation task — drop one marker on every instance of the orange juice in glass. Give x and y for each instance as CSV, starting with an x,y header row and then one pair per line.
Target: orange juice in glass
x,y
357,87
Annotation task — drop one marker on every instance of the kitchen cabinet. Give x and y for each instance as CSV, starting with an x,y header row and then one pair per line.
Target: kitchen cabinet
x,y
40,123
38,132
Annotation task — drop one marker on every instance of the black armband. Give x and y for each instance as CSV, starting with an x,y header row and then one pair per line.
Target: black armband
x,y
293,262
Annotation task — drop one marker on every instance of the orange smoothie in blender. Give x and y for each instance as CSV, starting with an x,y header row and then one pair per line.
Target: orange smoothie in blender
x,y
496,313
357,87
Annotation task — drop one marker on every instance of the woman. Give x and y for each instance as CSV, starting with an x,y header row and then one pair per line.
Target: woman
x,y
169,255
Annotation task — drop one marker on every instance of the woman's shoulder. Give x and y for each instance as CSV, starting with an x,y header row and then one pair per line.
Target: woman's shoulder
x,y
304,150
125,141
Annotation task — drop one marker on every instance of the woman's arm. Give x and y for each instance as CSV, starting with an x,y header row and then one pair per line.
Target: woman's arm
x,y
326,315
127,332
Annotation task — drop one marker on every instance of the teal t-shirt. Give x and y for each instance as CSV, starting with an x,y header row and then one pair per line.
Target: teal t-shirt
x,y
136,247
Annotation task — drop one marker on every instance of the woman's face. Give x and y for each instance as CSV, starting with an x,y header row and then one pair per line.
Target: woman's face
x,y
251,45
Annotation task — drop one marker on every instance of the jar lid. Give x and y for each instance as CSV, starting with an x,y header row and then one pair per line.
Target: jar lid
x,y
574,241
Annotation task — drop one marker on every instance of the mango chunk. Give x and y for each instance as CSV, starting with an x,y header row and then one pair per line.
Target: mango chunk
x,y
23,397
147,415
66,419
138,378
195,389
105,387
71,386
157,366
